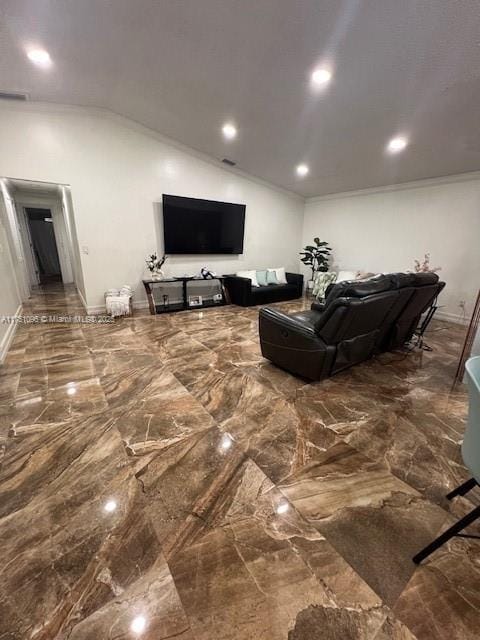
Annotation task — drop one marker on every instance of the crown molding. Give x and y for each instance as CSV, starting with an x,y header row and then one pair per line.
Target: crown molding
x,y
133,125
403,186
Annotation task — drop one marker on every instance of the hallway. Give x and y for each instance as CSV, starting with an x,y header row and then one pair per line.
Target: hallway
x,y
160,479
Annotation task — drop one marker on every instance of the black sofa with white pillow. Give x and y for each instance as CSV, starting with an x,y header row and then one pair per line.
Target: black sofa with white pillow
x,y
242,292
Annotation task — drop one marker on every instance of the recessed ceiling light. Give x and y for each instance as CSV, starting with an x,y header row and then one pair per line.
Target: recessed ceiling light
x,y
229,131
302,170
397,144
321,77
40,57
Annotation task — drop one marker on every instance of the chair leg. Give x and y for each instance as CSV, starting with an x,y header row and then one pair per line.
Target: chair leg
x,y
446,535
462,489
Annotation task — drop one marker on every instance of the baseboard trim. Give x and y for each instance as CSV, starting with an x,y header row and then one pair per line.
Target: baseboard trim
x,y
82,299
451,317
141,305
100,309
95,311
8,337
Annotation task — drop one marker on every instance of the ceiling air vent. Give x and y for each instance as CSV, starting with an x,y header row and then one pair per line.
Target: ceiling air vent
x,y
230,163
13,95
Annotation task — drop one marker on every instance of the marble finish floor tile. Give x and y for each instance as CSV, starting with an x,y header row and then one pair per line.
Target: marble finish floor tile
x,y
246,564
158,470
80,556
448,587
376,521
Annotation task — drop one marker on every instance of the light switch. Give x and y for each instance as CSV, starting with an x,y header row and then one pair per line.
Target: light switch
x,y
85,250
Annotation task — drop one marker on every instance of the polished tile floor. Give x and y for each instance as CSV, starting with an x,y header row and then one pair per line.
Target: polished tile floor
x,y
159,479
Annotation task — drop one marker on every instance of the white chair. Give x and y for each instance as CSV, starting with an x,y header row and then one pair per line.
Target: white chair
x,y
471,458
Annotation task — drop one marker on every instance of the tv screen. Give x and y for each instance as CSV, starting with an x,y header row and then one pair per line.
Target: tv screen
x,y
202,226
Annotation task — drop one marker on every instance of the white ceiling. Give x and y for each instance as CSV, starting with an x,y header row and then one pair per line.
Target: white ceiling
x,y
183,67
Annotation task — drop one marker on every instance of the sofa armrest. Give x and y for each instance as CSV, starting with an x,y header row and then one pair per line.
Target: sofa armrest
x,y
239,289
318,306
287,322
293,344
297,280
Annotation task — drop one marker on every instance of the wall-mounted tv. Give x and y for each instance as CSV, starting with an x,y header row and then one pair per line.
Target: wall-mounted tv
x,y
202,226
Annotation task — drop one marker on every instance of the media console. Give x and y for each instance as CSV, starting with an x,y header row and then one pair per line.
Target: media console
x,y
185,301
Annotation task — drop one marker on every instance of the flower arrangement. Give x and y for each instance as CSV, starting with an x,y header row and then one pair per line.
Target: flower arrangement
x,y
424,267
155,264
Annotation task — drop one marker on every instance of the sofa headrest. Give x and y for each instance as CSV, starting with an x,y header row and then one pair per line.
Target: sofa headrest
x,y
401,280
424,278
359,288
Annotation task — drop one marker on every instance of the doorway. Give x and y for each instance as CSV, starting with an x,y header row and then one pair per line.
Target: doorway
x,y
42,235
43,245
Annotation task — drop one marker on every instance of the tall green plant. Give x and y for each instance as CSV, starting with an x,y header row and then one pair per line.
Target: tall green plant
x,y
316,257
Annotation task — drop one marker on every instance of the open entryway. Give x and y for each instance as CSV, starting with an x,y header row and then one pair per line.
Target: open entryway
x,y
43,245
42,234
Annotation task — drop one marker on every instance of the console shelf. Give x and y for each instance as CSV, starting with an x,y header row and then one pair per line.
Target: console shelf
x,y
184,304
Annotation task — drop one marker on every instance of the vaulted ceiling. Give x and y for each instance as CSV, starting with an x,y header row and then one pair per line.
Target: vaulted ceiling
x,y
184,67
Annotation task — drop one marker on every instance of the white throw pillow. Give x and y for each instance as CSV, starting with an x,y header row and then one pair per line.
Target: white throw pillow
x,y
249,274
346,275
280,273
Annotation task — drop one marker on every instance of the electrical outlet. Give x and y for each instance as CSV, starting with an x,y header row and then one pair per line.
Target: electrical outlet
x,y
462,304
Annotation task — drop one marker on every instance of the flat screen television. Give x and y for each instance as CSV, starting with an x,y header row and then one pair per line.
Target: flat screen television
x,y
202,226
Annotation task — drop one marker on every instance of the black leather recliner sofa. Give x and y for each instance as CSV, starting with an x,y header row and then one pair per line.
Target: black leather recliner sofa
x,y
242,293
358,319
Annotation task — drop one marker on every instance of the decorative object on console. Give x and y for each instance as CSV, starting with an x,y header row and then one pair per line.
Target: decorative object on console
x,y
424,267
195,301
155,264
316,257
207,274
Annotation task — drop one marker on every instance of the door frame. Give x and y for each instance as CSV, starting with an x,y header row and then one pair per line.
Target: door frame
x,y
54,205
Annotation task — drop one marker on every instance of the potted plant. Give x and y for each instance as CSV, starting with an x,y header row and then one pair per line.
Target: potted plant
x,y
316,257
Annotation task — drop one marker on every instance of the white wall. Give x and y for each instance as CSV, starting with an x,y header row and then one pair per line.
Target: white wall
x,y
117,172
386,230
10,299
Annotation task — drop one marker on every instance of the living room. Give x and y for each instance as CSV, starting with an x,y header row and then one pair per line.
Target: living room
x,y
239,468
